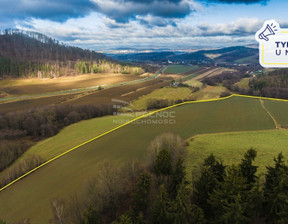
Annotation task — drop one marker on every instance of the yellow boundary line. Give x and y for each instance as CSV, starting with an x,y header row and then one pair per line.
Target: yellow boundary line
x,y
129,122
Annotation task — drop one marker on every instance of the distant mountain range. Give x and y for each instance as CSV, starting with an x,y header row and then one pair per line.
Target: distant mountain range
x,y
237,54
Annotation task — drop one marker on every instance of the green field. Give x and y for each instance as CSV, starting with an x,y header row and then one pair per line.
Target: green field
x,y
194,83
230,147
79,132
244,83
248,60
178,69
68,175
169,93
278,111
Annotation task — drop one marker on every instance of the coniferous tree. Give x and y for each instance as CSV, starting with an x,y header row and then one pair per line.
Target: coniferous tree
x,y
177,177
163,163
230,199
181,210
247,168
276,192
161,213
211,174
141,194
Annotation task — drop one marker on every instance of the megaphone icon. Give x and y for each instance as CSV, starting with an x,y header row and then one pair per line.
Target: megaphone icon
x,y
269,30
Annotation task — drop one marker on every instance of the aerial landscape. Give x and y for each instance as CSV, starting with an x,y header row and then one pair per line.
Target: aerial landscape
x,y
139,112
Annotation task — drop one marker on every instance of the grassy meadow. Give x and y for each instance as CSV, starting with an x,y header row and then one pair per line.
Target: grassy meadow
x,y
169,93
69,174
178,69
209,92
230,147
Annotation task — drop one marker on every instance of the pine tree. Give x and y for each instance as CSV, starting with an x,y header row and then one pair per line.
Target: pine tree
x,y
141,194
161,208
177,177
211,174
276,192
230,199
181,207
163,163
248,170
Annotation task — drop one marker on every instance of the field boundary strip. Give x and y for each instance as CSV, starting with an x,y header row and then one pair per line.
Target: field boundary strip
x,y
129,122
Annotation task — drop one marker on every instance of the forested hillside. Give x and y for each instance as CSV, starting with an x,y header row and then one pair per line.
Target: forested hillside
x,y
24,53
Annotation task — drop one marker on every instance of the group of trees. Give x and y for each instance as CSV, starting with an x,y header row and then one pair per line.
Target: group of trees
x,y
160,192
31,54
273,84
227,79
106,66
20,130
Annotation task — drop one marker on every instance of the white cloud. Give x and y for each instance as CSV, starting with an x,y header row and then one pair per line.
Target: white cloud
x,y
99,32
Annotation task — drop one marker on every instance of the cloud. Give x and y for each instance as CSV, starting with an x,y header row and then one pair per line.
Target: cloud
x,y
99,32
149,12
45,9
240,27
237,1
122,11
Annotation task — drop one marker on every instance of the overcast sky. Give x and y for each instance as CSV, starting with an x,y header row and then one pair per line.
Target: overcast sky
x,y
144,24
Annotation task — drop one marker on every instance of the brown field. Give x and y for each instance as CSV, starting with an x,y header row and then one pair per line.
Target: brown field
x,y
34,103
208,73
126,93
94,97
184,74
23,87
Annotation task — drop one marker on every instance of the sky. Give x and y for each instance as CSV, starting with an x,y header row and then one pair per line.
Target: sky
x,y
109,25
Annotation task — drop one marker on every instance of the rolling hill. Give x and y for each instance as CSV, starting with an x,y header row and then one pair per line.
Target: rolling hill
x,y
31,54
69,174
237,54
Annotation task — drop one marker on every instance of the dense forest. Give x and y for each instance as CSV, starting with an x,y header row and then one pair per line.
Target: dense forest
x,y
20,130
24,53
160,191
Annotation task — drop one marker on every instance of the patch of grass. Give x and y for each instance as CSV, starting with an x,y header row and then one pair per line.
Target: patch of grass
x,y
209,92
248,60
244,83
68,174
230,148
169,93
178,69
194,83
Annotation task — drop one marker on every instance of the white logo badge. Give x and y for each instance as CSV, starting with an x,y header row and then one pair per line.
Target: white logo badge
x,y
273,45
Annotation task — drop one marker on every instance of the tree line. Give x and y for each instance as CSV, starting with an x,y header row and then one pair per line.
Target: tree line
x,y
159,191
